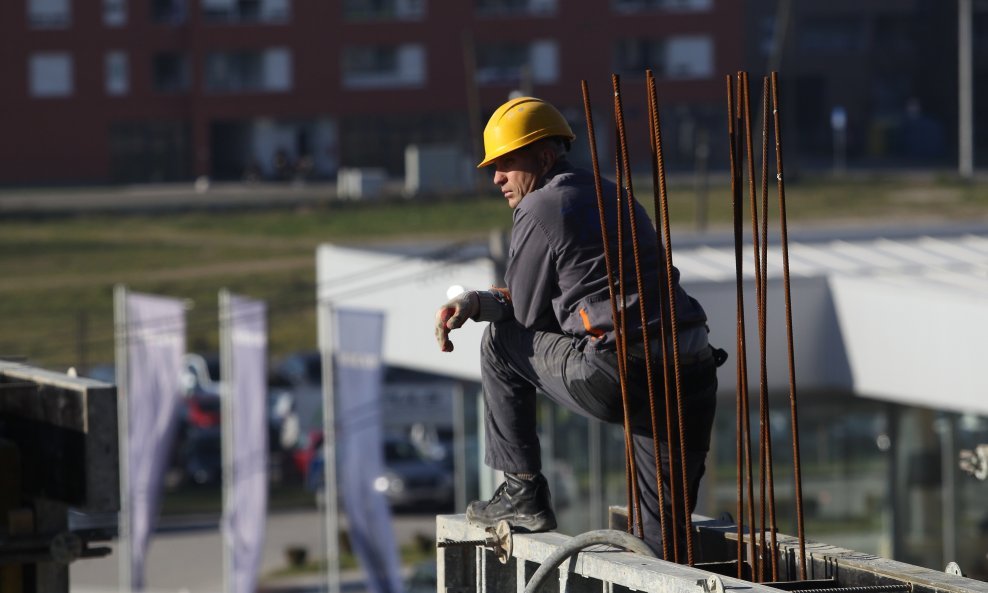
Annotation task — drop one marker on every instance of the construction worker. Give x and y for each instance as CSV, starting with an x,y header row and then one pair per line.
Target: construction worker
x,y
551,328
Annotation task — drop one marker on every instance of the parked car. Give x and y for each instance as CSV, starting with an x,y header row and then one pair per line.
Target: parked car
x,y
202,460
299,378
409,480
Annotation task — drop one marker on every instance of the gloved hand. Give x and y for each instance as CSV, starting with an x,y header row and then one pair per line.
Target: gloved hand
x,y
453,315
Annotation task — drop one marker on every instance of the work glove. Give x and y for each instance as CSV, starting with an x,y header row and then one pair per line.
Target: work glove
x,y
453,315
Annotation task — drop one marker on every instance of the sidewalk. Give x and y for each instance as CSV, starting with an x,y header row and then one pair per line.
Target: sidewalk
x,y
190,559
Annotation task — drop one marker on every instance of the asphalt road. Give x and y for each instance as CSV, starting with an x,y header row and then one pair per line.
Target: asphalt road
x,y
190,559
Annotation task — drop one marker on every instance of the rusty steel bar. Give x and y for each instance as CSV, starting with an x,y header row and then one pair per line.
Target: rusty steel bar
x,y
789,337
636,260
743,357
674,335
863,589
629,193
756,243
620,340
768,463
658,184
622,373
467,543
732,145
665,312
744,430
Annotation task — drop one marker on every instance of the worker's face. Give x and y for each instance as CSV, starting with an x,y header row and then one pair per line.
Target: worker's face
x,y
520,172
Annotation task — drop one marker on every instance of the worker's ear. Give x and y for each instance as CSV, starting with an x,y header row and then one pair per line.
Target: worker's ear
x,y
547,158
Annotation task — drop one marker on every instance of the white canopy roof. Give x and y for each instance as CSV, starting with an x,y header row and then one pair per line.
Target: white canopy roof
x,y
902,319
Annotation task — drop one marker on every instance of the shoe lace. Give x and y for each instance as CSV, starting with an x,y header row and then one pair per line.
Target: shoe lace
x,y
497,493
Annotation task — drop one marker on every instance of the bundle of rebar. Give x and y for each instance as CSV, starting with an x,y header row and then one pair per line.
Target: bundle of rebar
x,y
739,131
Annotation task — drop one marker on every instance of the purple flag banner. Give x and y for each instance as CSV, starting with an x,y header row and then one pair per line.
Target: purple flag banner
x,y
155,333
245,345
358,376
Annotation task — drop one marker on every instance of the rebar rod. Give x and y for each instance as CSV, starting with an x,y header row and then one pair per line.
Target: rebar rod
x,y
658,181
731,144
674,331
467,543
746,395
659,190
789,334
620,341
756,243
601,209
744,436
625,166
862,589
769,463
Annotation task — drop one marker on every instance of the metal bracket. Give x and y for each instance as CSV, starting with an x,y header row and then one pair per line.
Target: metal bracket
x,y
975,462
498,539
711,584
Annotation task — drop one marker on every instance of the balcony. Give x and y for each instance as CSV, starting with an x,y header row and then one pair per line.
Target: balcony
x,y
636,6
268,71
384,10
49,14
383,67
515,8
233,12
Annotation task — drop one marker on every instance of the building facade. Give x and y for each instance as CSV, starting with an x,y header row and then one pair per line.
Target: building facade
x,y
871,83
126,91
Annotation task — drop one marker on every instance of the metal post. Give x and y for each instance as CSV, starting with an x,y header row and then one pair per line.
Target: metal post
x,y
226,430
948,487
597,516
332,524
125,553
965,91
459,448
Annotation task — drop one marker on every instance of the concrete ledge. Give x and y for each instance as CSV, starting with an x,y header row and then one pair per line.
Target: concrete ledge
x,y
476,569
462,570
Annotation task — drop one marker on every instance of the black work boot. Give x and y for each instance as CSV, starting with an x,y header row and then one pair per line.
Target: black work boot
x,y
524,504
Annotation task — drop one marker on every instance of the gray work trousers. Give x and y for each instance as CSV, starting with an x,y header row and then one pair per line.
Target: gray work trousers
x,y
517,362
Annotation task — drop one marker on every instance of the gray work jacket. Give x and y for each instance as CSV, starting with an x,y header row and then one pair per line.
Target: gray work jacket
x,y
557,274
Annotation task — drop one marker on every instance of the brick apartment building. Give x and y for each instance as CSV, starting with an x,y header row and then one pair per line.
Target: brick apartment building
x,y
164,90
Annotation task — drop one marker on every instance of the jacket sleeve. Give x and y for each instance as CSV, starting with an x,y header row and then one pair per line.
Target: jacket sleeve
x,y
531,273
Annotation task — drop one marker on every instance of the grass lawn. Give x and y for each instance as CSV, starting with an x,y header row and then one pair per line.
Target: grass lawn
x,y
57,274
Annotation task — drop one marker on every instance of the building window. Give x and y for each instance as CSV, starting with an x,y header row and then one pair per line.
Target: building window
x,y
517,63
49,14
515,7
114,13
116,73
383,66
384,10
170,12
249,71
50,74
667,5
830,36
676,58
246,11
170,72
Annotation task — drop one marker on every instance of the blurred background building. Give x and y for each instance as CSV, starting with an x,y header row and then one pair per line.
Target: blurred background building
x,y
168,90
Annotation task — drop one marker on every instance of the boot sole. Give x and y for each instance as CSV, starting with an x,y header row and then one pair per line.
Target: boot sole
x,y
544,521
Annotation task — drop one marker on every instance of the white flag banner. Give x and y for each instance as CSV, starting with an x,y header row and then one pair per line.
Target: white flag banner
x,y
359,374
244,352
155,331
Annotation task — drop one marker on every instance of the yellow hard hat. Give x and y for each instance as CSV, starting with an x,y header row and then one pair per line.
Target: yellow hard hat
x,y
519,122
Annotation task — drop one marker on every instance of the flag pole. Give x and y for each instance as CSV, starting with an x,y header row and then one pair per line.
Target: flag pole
x,y
332,523
226,433
125,553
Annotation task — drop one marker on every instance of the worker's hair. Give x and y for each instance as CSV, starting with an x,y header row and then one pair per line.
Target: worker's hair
x,y
558,144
